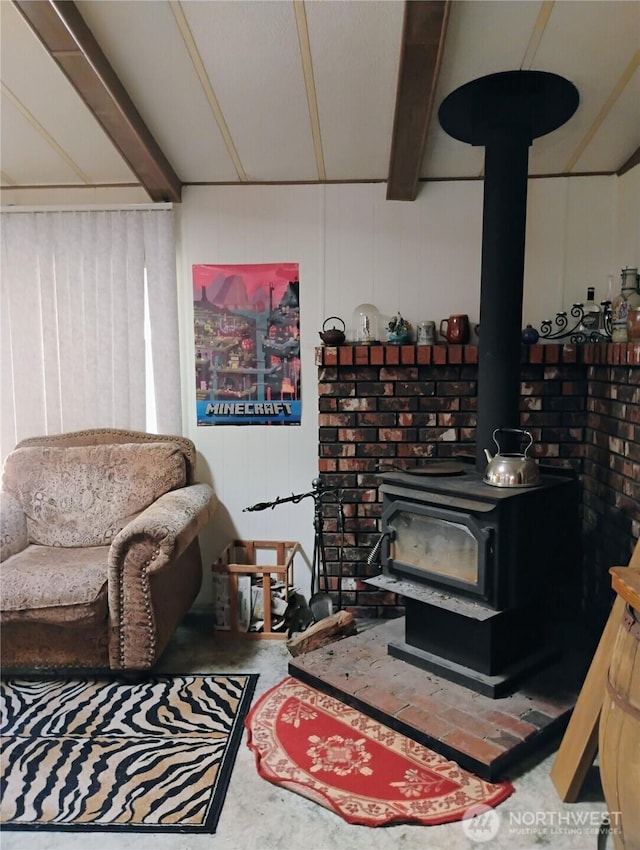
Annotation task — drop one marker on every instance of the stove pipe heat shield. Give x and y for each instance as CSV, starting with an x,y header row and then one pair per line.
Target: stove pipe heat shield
x,y
504,112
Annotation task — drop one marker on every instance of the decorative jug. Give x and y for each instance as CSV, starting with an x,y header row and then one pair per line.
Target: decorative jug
x,y
623,304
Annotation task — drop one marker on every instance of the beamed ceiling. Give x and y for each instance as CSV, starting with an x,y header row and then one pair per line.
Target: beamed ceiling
x,y
153,95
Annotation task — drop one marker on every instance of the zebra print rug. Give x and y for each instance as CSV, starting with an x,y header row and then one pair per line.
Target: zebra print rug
x,y
104,754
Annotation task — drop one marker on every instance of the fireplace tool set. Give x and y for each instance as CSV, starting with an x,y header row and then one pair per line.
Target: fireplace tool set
x,y
320,601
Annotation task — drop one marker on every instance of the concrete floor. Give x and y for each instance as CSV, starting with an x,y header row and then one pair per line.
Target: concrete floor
x,y
257,814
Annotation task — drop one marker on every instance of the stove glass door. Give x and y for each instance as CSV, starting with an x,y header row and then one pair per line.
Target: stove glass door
x,y
438,546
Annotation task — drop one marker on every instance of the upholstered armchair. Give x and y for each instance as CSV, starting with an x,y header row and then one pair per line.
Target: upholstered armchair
x,y
99,557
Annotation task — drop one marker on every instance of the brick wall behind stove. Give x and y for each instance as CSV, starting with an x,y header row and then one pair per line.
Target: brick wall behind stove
x,y
400,405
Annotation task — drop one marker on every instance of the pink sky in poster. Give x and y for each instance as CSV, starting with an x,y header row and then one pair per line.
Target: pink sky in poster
x,y
254,275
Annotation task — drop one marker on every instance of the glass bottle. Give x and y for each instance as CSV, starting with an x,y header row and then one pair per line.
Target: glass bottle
x,y
591,313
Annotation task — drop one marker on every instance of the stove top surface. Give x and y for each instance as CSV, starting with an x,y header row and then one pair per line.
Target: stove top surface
x,y
462,478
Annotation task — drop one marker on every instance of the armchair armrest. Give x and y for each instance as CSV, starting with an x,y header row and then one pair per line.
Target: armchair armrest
x,y
170,524
13,526
149,543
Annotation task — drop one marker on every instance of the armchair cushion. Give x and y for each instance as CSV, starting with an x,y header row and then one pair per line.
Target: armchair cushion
x,y
52,585
80,496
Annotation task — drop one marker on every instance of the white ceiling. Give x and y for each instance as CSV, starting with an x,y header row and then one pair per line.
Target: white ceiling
x,y
221,86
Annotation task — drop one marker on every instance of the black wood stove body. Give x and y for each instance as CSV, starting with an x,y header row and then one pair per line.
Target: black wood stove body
x,y
480,568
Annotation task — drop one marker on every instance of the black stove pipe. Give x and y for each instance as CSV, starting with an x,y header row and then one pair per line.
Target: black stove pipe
x,y
504,112
501,290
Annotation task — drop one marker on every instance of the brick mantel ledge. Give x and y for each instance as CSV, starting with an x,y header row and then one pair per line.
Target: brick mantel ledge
x,y
383,354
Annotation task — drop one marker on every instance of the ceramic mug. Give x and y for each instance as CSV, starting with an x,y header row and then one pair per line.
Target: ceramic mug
x,y
455,329
426,333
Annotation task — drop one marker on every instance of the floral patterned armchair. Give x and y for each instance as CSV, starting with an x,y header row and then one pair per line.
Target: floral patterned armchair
x,y
99,557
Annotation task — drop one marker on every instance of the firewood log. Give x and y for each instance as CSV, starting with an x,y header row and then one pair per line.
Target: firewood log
x,y
335,627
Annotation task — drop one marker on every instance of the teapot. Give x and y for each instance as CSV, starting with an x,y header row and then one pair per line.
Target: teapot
x,y
333,336
511,470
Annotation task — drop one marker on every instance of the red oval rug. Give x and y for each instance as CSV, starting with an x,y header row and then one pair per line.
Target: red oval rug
x,y
318,747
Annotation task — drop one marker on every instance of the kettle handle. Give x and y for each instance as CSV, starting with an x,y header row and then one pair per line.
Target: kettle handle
x,y
344,327
521,431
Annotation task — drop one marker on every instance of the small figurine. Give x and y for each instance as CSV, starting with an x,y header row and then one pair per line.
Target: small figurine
x,y
398,330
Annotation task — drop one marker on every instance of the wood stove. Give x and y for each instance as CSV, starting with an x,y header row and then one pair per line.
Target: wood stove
x,y
476,564
478,567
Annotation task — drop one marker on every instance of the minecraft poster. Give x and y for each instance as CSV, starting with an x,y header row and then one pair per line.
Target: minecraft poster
x,y
247,344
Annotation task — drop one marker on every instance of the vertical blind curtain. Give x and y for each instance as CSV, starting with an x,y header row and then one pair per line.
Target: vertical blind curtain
x,y
72,313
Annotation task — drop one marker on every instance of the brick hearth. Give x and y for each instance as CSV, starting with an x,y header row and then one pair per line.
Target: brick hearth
x,y
486,736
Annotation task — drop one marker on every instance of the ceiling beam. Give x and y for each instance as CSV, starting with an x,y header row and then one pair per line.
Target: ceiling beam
x,y
423,35
67,38
633,160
